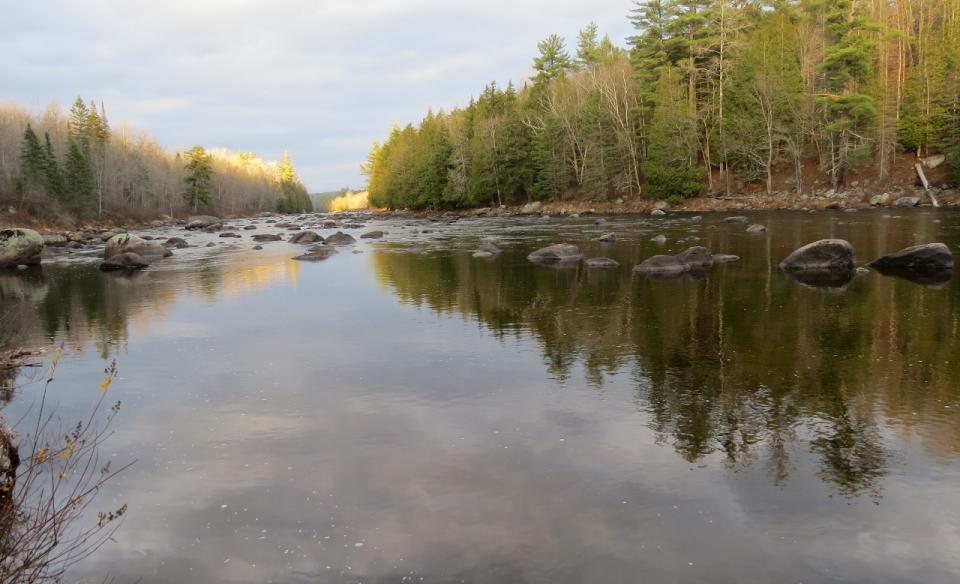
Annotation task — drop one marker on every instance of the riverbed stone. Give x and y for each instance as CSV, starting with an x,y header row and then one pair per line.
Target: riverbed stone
x,y
757,229
927,257
376,234
176,242
661,265
658,212
560,253
263,237
907,202
317,253
340,238
696,257
824,255
486,250
661,239
736,219
127,242
601,263
20,247
305,237
55,240
607,238
203,222
124,261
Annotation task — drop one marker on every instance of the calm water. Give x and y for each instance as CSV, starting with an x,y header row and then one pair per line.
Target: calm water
x,y
412,414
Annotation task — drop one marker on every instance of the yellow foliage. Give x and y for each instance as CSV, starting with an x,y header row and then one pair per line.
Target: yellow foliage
x,y
349,201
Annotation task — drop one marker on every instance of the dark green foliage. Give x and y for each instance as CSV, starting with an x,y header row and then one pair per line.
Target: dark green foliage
x,y
78,178
199,168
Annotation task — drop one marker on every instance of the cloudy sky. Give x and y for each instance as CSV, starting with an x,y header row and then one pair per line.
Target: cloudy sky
x,y
321,78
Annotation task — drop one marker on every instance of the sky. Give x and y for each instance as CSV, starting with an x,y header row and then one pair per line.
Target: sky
x,y
322,79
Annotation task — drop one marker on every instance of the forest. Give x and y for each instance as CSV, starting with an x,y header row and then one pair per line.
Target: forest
x,y
707,96
70,166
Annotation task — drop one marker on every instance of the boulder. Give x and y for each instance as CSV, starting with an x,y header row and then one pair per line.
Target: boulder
x,y
880,200
661,265
372,235
561,253
661,205
305,237
317,253
757,229
124,261
340,238
127,242
203,222
907,202
329,224
262,237
826,255
20,247
601,263
176,242
929,257
249,227
531,208
608,238
696,257
229,234
658,212
55,240
661,239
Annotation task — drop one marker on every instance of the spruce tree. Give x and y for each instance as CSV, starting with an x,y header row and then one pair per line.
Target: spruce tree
x,y
53,178
78,179
199,176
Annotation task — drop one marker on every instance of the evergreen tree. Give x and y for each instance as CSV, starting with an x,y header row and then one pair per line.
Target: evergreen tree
x,y
77,122
53,179
78,179
553,61
670,170
295,198
199,175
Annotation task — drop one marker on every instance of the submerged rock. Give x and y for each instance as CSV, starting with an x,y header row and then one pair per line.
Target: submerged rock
x,y
317,253
607,238
561,253
372,235
176,242
124,261
736,219
261,237
757,229
486,250
661,239
127,242
658,213
828,255
20,247
305,237
723,258
601,263
696,261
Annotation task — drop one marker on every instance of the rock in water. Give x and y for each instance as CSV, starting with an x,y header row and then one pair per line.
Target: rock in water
x,y
561,253
929,257
126,242
486,250
696,257
736,219
203,222
661,265
907,202
20,247
340,238
826,255
177,242
229,234
124,261
261,237
756,229
55,240
608,238
661,239
317,253
305,237
372,235
601,263
531,208
722,258
658,213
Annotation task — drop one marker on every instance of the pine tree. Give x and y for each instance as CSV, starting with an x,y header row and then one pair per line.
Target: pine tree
x,y
295,198
53,179
670,170
78,179
553,61
199,176
77,123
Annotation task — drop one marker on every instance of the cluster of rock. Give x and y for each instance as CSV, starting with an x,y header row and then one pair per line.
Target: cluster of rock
x,y
831,263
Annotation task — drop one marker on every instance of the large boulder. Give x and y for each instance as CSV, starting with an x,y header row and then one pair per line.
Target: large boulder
x,y
696,257
124,261
907,202
560,253
305,237
126,242
20,247
204,222
929,257
661,265
826,255
340,238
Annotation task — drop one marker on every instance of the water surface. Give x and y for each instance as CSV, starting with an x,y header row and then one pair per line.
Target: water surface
x,y
410,413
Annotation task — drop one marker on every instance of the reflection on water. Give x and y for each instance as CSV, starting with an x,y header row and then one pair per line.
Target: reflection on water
x,y
413,412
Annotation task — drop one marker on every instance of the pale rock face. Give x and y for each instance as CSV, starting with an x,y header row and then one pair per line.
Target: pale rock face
x,y
20,247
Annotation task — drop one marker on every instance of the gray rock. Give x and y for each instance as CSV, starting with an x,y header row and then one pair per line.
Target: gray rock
x,y
662,205
230,234
907,202
329,224
658,212
176,242
127,242
756,228
305,237
736,219
124,261
262,237
661,239
601,263
531,208
921,258
880,200
560,253
55,240
211,244
249,227
608,238
20,247
372,235
486,250
696,257
823,255
317,253
340,238
203,222
724,258
661,265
